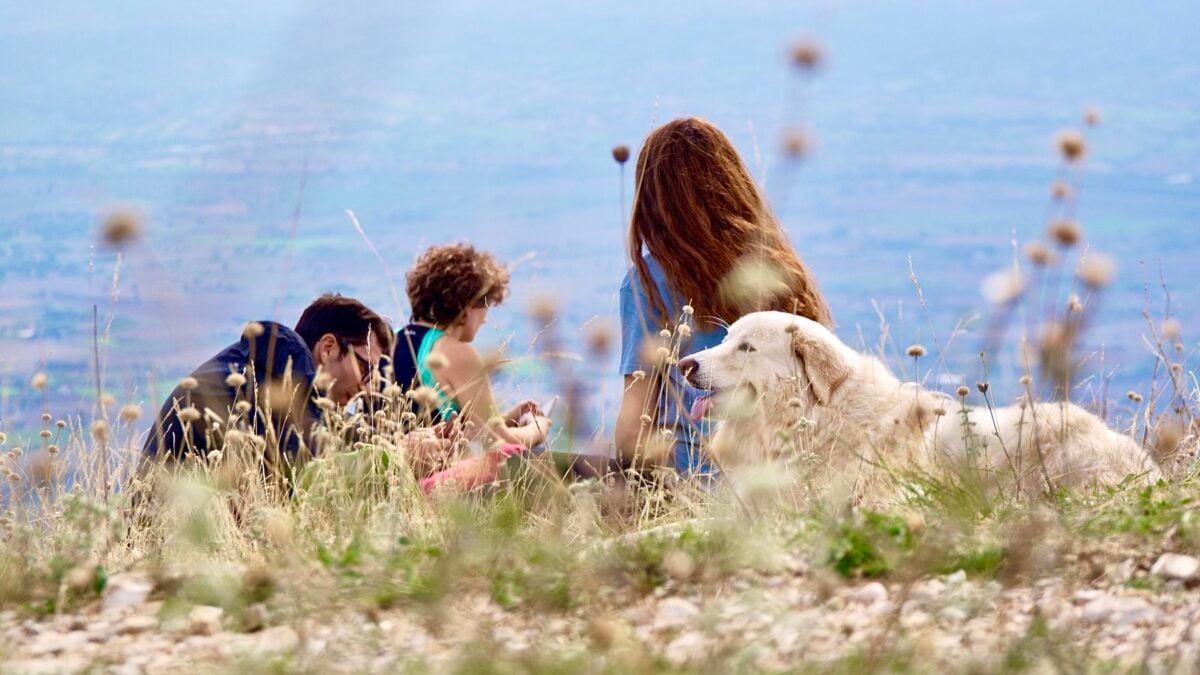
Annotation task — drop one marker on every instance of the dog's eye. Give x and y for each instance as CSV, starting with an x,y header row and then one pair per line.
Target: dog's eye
x,y
745,347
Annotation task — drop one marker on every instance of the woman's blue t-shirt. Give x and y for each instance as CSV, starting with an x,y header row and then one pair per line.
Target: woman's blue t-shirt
x,y
639,322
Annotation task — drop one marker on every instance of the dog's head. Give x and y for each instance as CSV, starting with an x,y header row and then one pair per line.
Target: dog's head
x,y
763,348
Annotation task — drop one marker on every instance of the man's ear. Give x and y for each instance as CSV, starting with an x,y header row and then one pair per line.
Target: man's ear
x,y
326,345
824,367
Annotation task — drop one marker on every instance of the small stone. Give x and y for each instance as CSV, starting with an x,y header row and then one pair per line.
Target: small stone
x,y
1119,611
673,613
254,618
136,624
687,648
953,614
1176,567
869,594
957,578
123,591
48,644
205,620
277,640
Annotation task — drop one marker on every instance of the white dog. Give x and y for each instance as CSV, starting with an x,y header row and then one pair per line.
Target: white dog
x,y
787,384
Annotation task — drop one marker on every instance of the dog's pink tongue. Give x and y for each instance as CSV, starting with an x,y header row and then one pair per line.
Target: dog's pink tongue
x,y
700,407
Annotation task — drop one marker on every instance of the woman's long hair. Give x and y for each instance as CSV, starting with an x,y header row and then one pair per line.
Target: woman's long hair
x,y
699,213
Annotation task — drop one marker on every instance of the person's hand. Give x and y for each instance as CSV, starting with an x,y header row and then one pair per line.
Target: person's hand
x,y
428,450
542,424
513,416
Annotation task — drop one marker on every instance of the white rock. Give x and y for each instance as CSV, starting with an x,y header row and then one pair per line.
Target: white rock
x,y
1119,611
956,578
869,594
48,644
1176,566
673,613
953,614
277,640
687,648
205,620
136,624
125,590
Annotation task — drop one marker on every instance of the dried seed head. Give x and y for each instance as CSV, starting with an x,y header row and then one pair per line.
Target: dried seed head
x,y
496,422
189,383
1039,254
684,330
1133,396
3,438
646,419
242,407
235,380
1060,190
1074,303
796,143
46,417
1092,116
795,403
1176,368
437,361
982,387
689,310
189,414
667,433
424,396
323,381
1171,329
52,449
543,308
121,226
1025,380
599,337
45,434
39,381
1066,232
664,333
1071,145
253,330
963,391
806,54
60,423
915,351
639,375
1003,287
108,401
393,391
326,404
620,153
100,430
1098,270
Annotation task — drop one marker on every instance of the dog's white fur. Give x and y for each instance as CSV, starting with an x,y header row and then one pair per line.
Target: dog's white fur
x,y
785,378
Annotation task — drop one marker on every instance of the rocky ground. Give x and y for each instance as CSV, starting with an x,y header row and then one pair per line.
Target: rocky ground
x,y
788,619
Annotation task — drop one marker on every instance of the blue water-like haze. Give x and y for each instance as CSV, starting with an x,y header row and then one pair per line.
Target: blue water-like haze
x,y
493,122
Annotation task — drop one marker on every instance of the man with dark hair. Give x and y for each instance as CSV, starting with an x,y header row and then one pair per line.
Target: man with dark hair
x,y
267,382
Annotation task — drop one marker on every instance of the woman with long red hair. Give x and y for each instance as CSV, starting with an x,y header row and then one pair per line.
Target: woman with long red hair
x,y
705,249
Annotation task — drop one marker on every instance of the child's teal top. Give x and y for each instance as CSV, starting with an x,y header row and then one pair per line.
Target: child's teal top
x,y
447,406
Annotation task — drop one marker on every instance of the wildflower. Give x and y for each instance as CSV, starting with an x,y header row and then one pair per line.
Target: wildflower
x,y
1098,270
437,361
323,381
667,433
14,477
1039,254
689,310
235,380
52,449
188,383
215,456
496,422
1066,232
620,153
795,403
1091,116
326,404
242,407
982,387
1176,368
940,411
1074,304
1003,287
424,396
662,353
796,143
45,434
39,381
1171,329
1060,190
664,333
393,391
646,419
15,453
189,414
46,417
639,375
1025,380
1071,145
963,391
806,54
60,424
684,330
915,351
1133,396
108,401
100,430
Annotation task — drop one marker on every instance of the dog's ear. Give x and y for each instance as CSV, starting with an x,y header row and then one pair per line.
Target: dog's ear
x,y
824,367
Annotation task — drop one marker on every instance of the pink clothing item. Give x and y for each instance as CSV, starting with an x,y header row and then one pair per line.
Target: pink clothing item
x,y
467,474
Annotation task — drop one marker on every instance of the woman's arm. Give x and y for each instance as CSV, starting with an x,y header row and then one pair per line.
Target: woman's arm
x,y
465,378
630,430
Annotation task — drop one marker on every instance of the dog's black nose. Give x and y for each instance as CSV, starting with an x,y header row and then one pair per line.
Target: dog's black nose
x,y
688,367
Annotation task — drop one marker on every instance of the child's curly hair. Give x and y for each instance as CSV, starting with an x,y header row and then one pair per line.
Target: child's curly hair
x,y
448,280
